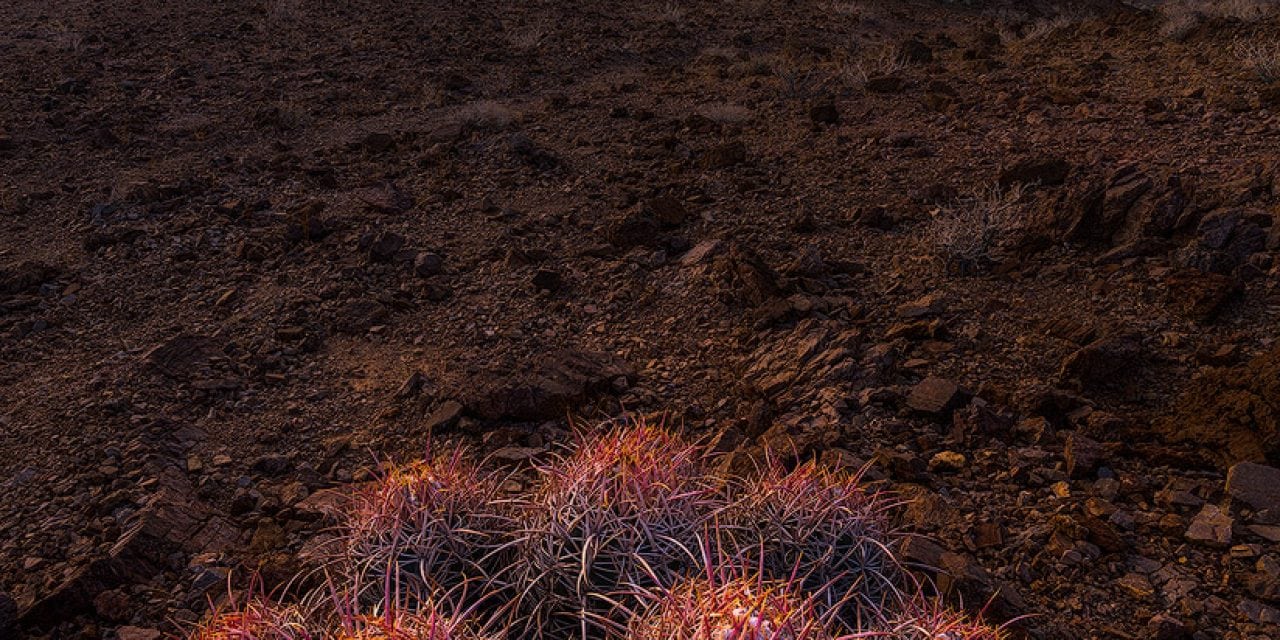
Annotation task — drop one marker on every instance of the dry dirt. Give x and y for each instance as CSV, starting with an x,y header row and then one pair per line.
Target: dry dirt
x,y
250,249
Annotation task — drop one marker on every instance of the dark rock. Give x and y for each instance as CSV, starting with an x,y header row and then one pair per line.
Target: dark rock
x,y
1101,362
428,264
811,356
384,246
936,396
184,357
631,228
8,617
357,316
1083,455
1043,171
929,305
1211,527
668,211
533,155
1226,238
271,465
1255,485
702,252
387,198
724,155
547,280
886,84
744,277
915,52
550,387
1163,626
173,523
445,416
824,113
1199,295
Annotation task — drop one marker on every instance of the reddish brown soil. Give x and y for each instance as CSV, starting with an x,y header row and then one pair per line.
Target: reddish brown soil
x,y
216,298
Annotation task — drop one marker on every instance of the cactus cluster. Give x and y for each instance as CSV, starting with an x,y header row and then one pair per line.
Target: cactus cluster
x,y
435,525
627,535
820,526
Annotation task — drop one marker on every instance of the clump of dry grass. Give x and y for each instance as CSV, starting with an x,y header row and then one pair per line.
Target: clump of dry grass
x,y
967,234
485,114
1262,59
887,61
725,113
1181,17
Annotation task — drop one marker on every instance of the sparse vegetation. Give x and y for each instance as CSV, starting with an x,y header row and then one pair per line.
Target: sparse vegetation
x,y
485,114
967,233
1261,59
629,533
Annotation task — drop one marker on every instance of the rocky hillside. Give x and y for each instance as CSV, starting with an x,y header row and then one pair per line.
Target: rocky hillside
x,y
1021,260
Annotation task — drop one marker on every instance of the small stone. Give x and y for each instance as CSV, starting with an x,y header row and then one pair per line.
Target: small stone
x,y
1137,585
428,264
444,417
1083,455
1259,613
1163,626
930,305
935,395
1211,527
137,633
947,461
547,280
701,252
271,465
385,246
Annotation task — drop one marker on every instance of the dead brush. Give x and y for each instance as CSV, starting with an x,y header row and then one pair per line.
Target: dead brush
x,y
435,526
822,528
967,235
1262,59
621,511
730,603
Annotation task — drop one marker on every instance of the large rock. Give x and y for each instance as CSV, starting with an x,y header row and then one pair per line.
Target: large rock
x,y
1198,295
173,525
812,356
1225,239
184,356
550,387
1101,362
1127,206
1256,485
1234,413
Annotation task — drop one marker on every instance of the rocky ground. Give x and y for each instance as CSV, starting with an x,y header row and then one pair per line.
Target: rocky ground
x,y
249,250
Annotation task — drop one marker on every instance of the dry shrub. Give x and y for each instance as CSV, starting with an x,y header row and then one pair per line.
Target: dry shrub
x,y
968,234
